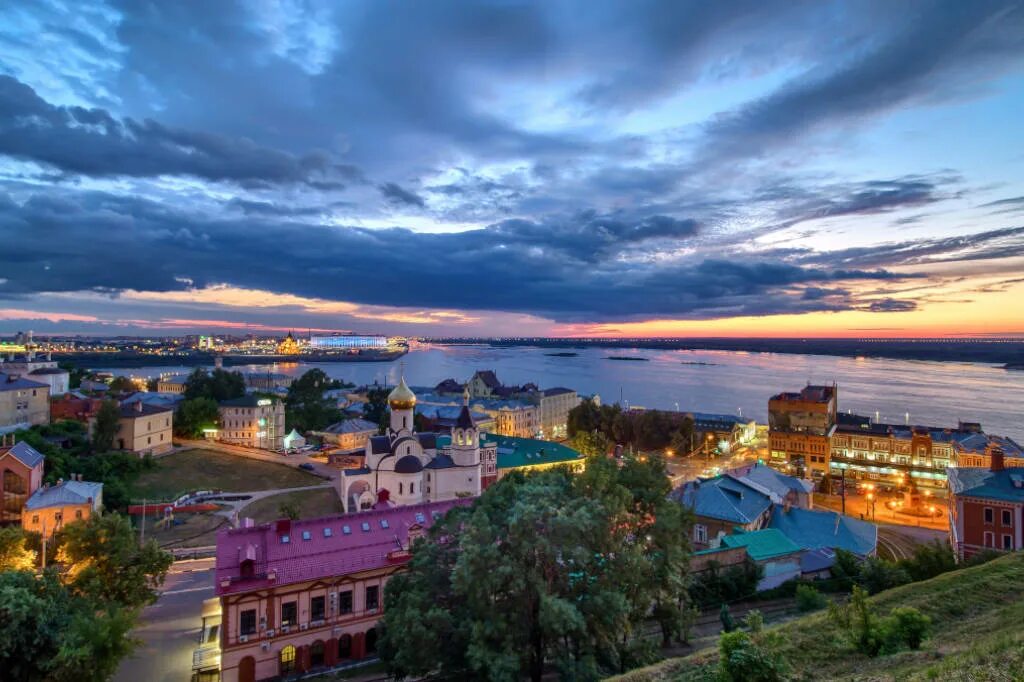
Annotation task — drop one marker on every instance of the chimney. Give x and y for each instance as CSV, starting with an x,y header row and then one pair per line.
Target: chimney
x,y
998,461
60,481
138,406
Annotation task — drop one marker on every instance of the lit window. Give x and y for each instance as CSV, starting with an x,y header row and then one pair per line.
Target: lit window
x,y
327,532
420,518
285,539
306,535
346,530
366,527
287,660
383,523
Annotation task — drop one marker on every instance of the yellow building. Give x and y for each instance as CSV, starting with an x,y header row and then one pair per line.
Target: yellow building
x,y
144,429
288,346
52,506
23,403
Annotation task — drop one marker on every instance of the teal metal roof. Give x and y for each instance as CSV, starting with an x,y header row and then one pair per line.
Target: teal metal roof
x,y
1006,485
764,544
524,452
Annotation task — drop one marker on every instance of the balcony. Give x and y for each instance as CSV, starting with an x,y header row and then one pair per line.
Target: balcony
x,y
206,657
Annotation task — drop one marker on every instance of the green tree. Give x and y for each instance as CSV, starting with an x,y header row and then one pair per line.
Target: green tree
x,y
14,552
194,415
306,408
288,510
122,385
724,615
546,568
375,409
752,657
591,444
683,439
105,429
929,560
220,385
809,599
905,627
104,562
584,418
75,373
152,383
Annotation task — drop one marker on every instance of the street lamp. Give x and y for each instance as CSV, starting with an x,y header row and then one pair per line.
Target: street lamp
x,y
871,499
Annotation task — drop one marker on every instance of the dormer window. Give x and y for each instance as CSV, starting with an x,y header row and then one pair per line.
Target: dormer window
x,y
366,527
384,523
347,530
247,568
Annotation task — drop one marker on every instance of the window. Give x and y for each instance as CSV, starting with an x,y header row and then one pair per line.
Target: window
x,y
287,660
247,622
420,518
700,533
35,519
365,526
327,532
412,488
1007,517
306,535
989,515
345,601
372,597
285,539
317,607
344,647
149,441
1007,541
289,613
990,540
346,530
383,523
78,513
399,488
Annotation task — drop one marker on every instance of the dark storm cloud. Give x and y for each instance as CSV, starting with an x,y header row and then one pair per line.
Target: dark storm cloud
x,y
891,305
93,142
549,269
399,195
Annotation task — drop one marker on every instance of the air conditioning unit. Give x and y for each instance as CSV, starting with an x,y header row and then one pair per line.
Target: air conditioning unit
x,y
243,638
265,646
304,626
285,629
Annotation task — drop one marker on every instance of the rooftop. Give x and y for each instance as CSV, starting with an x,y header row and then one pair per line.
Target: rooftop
x,y
9,382
351,426
725,497
521,452
298,551
1006,485
63,494
138,408
809,393
825,529
776,483
24,453
763,544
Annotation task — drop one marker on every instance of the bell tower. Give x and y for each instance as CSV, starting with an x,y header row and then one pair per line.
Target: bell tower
x,y
465,437
402,402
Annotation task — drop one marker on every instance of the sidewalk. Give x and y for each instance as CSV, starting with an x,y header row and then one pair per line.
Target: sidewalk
x,y
857,506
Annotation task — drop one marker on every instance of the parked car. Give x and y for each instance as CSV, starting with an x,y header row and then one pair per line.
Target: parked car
x,y
307,466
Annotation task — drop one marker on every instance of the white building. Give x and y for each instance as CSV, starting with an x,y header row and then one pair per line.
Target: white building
x,y
404,467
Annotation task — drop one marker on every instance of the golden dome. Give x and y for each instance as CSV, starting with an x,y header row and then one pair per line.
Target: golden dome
x,y
402,398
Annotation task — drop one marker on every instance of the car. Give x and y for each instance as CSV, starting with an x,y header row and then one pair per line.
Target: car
x,y
307,466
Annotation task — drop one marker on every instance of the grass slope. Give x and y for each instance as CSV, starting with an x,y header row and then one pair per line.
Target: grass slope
x,y
978,635
310,504
205,469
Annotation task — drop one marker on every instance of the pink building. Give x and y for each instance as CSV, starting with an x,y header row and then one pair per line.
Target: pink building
x,y
21,474
300,595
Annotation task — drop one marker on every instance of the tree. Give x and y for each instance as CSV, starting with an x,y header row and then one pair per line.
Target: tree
x,y
14,552
545,568
122,385
194,415
306,408
375,409
152,383
591,444
104,562
750,657
929,560
75,373
288,510
728,624
682,440
105,428
219,385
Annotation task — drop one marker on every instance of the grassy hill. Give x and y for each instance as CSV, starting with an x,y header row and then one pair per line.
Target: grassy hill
x,y
978,635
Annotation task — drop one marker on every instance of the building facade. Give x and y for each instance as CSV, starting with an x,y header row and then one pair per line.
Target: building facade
x,y
299,596
554,407
171,384
252,421
52,506
800,427
349,435
23,403
144,429
21,475
986,507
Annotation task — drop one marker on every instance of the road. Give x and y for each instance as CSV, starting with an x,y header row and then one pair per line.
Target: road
x,y
169,629
682,469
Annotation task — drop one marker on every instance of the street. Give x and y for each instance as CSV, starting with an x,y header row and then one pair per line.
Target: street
x,y
169,629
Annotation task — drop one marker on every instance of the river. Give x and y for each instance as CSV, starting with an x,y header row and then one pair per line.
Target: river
x,y
931,393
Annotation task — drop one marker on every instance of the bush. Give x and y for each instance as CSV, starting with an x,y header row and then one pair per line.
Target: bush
x,y
728,624
877,575
746,658
809,599
905,627
929,561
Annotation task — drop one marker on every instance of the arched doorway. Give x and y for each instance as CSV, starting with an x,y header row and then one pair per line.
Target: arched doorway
x,y
344,647
316,654
247,669
371,641
286,659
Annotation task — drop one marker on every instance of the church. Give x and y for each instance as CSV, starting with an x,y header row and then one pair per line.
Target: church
x,y
402,467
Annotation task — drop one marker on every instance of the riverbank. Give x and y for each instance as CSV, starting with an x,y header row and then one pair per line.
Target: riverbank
x,y
1008,352
128,360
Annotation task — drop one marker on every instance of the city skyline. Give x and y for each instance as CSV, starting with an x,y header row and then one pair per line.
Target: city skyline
x,y
672,169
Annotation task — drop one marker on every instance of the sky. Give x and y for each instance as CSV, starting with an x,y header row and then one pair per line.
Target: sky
x,y
650,168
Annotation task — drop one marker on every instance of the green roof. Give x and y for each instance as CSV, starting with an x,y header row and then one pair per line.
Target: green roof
x,y
763,544
523,452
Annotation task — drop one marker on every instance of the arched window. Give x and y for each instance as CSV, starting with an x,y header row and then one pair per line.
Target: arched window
x,y
344,647
412,488
404,425
287,660
247,568
316,654
371,641
399,488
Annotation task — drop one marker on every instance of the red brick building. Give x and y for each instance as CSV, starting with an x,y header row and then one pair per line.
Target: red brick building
x,y
986,509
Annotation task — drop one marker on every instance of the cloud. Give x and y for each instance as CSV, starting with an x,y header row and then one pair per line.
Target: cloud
x,y
891,305
95,143
399,195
